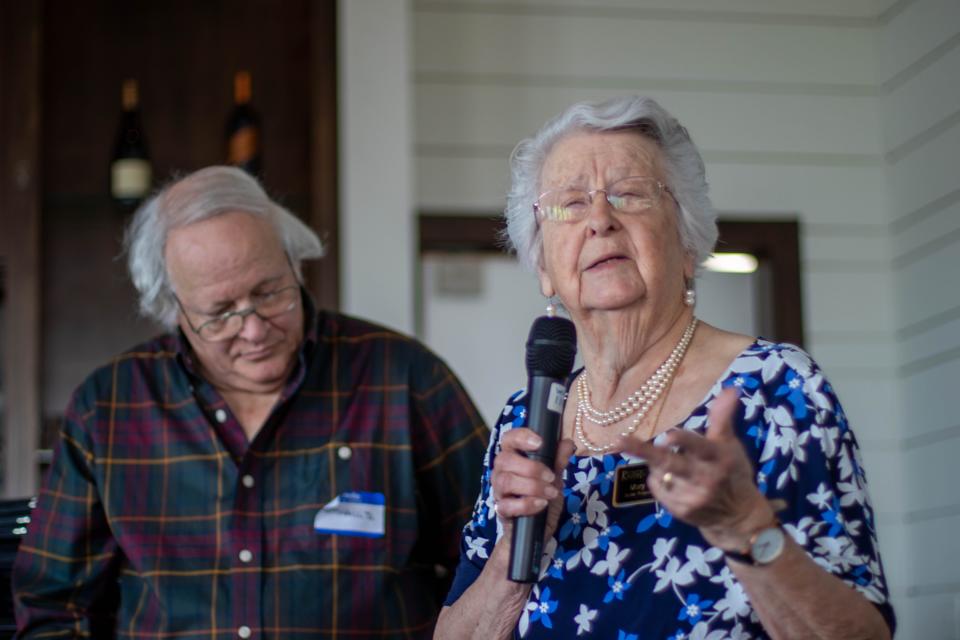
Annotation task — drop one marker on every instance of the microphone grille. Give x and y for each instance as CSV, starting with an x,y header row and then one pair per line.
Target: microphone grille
x,y
551,347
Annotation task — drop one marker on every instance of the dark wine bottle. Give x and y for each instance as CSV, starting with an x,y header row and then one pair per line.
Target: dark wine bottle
x,y
131,173
243,128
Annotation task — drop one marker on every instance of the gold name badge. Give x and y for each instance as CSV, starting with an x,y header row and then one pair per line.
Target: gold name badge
x,y
630,485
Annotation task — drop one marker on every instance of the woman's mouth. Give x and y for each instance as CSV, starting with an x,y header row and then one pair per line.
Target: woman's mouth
x,y
609,261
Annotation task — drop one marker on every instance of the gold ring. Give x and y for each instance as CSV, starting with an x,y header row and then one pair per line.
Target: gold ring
x,y
667,481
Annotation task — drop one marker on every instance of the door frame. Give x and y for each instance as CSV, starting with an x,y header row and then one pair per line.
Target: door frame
x,y
774,242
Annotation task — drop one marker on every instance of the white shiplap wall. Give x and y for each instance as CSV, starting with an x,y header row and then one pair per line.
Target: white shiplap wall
x,y
919,56
785,99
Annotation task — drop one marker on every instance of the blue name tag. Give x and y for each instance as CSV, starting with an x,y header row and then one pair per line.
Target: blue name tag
x,y
355,513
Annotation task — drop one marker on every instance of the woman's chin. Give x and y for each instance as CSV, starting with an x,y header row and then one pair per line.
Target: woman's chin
x,y
612,301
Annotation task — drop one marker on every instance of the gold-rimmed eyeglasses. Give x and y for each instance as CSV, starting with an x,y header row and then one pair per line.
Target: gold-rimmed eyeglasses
x,y
628,195
228,325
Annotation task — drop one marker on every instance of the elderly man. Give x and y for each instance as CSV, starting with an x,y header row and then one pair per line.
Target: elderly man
x,y
264,470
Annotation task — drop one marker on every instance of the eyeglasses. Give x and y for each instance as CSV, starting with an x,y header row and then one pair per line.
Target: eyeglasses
x,y
627,195
227,325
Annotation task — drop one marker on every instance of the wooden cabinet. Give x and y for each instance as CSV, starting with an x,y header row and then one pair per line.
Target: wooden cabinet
x,y
69,306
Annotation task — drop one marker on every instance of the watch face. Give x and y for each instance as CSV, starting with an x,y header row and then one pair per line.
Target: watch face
x,y
768,545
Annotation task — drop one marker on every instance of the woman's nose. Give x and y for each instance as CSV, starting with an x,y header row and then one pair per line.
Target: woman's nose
x,y
600,218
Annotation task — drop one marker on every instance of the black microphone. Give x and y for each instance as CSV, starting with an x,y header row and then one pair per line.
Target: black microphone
x,y
551,349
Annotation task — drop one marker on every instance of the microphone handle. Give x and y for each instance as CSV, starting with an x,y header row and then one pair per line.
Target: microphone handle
x,y
544,413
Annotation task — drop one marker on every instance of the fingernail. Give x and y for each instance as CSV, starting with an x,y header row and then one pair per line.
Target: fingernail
x,y
534,440
548,476
551,491
539,503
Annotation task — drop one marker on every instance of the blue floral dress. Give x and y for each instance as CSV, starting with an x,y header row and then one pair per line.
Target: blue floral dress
x,y
632,573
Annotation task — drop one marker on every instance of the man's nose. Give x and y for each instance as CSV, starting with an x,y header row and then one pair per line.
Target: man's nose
x,y
254,327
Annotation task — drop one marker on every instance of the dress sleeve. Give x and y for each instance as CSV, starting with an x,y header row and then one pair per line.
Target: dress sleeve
x,y
484,529
65,573
807,455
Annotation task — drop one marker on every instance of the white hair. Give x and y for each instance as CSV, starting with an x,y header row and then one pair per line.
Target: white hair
x,y
683,167
199,196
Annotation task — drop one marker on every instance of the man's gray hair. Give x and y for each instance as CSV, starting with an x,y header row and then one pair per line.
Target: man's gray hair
x,y
199,196
683,167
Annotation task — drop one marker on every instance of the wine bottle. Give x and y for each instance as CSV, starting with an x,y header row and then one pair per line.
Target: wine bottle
x,y
243,128
130,170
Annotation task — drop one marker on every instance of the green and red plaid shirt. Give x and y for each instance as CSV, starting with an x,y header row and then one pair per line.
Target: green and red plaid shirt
x,y
159,519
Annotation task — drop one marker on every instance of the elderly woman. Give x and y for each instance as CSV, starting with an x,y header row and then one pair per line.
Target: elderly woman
x,y
708,484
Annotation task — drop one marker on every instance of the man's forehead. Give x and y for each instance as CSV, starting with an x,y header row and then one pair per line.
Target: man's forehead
x,y
232,247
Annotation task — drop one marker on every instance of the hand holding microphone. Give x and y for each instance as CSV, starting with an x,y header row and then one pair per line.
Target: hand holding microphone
x,y
551,349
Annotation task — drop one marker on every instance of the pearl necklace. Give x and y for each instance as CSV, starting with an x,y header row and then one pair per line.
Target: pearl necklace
x,y
639,402
642,398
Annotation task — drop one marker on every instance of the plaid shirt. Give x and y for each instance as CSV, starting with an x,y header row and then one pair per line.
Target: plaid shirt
x,y
160,520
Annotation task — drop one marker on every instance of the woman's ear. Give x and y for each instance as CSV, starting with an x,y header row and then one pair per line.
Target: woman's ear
x,y
546,286
689,267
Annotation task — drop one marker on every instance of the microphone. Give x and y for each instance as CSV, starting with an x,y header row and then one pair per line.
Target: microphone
x,y
551,349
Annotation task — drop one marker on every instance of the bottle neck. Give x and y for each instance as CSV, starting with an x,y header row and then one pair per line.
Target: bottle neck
x,y
129,96
241,88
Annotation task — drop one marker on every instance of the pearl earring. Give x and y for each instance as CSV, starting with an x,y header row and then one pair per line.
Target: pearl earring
x,y
690,297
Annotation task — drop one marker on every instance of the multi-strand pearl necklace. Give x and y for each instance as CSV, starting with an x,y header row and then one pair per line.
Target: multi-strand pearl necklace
x,y
638,403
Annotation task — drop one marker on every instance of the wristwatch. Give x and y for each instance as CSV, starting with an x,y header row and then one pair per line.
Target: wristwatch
x,y
764,547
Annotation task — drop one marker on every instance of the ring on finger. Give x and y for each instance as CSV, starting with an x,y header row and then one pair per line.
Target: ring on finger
x,y
667,481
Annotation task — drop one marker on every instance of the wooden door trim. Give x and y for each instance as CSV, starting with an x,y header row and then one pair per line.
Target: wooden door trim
x,y
20,38
323,276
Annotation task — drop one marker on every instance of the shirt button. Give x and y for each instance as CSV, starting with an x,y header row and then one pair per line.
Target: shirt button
x,y
221,417
345,453
244,631
247,481
245,555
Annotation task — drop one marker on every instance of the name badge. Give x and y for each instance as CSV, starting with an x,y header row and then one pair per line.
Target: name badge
x,y
630,485
355,513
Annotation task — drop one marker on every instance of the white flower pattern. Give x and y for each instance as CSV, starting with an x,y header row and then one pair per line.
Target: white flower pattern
x,y
612,572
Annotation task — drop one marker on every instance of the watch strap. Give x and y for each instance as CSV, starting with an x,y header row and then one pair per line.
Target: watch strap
x,y
742,558
746,557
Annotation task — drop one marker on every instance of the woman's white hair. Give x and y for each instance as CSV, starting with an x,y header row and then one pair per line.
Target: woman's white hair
x,y
199,196
682,164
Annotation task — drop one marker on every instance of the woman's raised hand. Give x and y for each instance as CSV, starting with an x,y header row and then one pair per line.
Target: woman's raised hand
x,y
707,482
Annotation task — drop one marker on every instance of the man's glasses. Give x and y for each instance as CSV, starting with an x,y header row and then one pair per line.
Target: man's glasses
x,y
227,326
628,195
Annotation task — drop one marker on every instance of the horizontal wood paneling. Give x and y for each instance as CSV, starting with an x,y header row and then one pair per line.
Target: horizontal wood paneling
x,y
927,400
928,286
597,46
926,176
916,38
493,114
820,9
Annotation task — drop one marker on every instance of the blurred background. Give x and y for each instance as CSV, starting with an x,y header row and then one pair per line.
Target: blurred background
x,y
830,129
